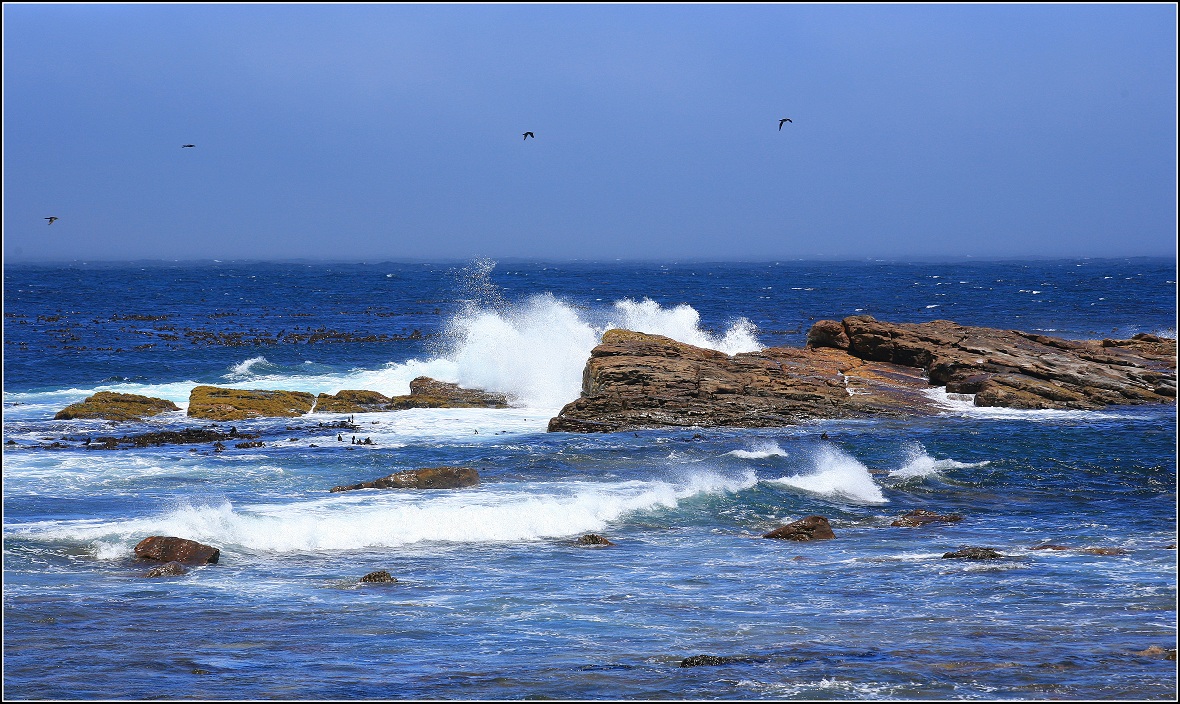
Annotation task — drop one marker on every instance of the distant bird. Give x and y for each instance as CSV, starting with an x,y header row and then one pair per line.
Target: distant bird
x,y
785,119
51,219
529,134
186,146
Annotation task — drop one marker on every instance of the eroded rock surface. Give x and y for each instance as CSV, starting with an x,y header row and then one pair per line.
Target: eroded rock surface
x,y
173,549
803,530
859,367
424,393
108,405
217,403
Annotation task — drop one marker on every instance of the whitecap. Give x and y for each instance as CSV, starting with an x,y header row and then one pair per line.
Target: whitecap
x,y
834,473
760,450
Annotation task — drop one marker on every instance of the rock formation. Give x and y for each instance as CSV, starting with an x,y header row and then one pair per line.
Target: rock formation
x,y
804,529
921,517
172,549
859,367
973,554
424,393
425,478
108,405
216,403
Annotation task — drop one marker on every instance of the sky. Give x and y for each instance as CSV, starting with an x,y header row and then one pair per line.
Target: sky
x,y
377,132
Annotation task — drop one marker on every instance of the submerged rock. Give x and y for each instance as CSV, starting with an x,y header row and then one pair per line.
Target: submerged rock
x,y
172,549
108,405
216,403
592,540
425,478
810,528
171,569
858,367
921,517
379,577
973,554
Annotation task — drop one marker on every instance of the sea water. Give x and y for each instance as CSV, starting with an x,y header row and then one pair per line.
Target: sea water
x,y
494,599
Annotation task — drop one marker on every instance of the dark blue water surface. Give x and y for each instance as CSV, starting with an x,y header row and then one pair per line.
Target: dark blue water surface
x,y
494,599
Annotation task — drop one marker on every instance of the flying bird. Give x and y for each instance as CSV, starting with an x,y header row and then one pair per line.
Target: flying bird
x,y
186,146
785,119
51,219
529,134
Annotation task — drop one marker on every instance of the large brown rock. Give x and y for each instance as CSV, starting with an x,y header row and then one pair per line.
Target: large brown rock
x,y
424,393
804,529
108,405
216,403
1015,369
855,368
172,549
425,478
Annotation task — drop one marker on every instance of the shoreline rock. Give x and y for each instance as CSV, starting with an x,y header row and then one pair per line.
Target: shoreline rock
x,y
218,403
424,393
109,405
173,549
856,368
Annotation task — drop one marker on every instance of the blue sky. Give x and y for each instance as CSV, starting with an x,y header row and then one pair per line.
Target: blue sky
x,y
389,132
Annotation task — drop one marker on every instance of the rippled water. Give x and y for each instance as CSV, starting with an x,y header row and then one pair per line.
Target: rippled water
x,y
493,598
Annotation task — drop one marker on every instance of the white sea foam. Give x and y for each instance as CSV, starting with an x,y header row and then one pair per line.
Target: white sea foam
x,y
919,463
371,519
760,450
836,474
964,405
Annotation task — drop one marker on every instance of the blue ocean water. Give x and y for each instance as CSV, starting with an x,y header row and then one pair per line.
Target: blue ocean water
x,y
494,600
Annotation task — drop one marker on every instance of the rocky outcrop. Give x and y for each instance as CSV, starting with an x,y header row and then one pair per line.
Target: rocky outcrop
x,y
424,393
168,437
108,405
1014,369
216,403
805,529
593,540
171,569
379,577
172,549
858,367
425,478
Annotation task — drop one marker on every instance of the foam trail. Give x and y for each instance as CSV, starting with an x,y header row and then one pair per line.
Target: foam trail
x,y
837,474
918,463
760,450
361,519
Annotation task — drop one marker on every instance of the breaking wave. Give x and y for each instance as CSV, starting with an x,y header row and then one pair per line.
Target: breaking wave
x,y
836,474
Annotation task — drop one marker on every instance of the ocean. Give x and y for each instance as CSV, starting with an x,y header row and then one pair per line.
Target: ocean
x,y
493,598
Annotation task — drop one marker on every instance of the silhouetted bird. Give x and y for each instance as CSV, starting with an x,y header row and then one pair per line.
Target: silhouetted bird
x,y
529,134
51,219
785,119
186,146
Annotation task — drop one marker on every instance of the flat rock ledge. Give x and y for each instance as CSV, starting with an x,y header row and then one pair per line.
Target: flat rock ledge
x,y
109,405
856,368
425,478
217,403
424,393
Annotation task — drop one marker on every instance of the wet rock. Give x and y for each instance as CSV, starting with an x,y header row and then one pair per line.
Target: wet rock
x,y
424,393
921,517
1049,546
172,549
1156,651
1105,551
352,401
108,405
704,661
973,554
216,403
171,569
379,577
166,437
425,478
858,367
810,528
592,540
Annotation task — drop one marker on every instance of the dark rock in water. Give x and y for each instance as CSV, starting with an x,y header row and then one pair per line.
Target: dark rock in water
x,y
858,367
1049,546
216,403
380,577
167,437
974,554
810,528
703,660
425,478
921,517
107,405
172,569
1105,551
172,549
593,540
1156,651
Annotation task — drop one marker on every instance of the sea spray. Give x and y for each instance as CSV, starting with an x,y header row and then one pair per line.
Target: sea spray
x,y
834,473
760,450
919,463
